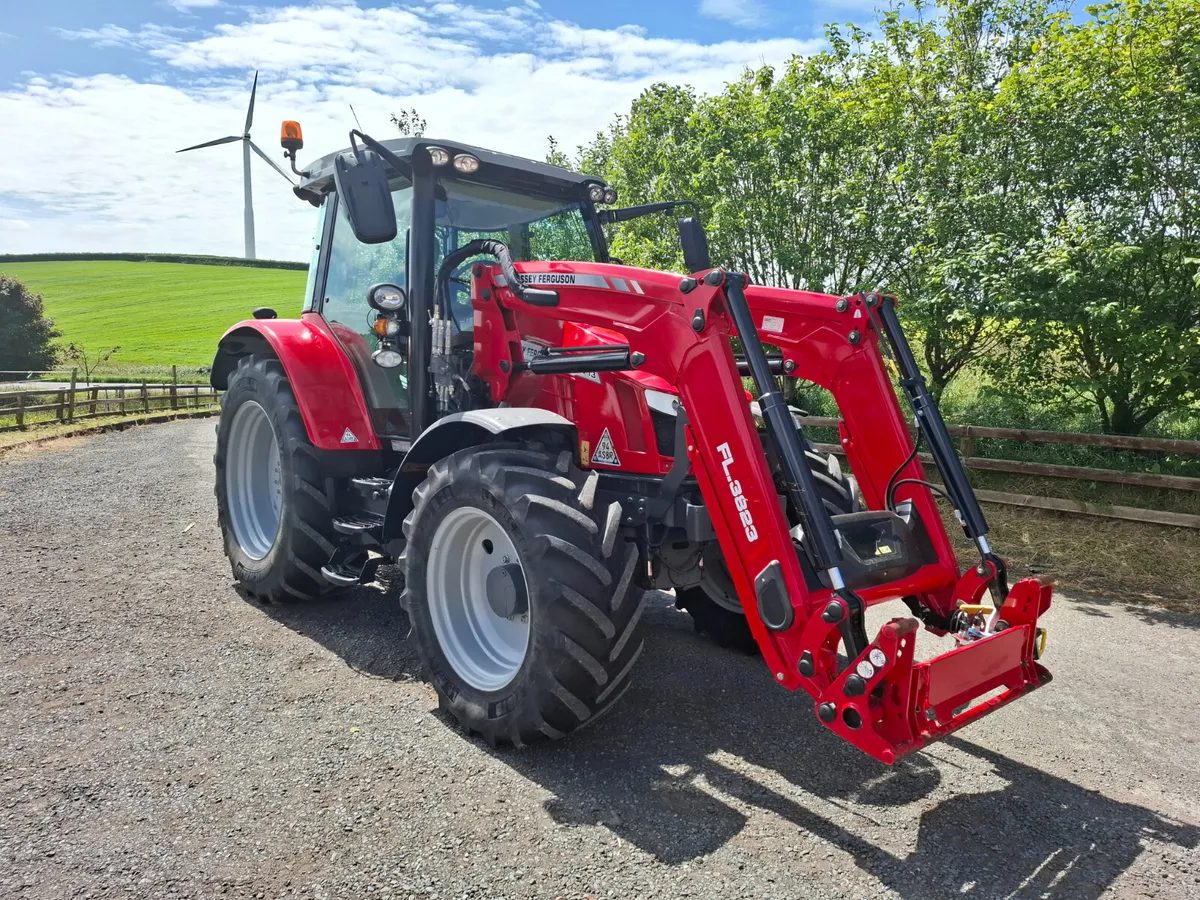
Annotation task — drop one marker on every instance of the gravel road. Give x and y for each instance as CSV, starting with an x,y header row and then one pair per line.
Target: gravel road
x,y
163,737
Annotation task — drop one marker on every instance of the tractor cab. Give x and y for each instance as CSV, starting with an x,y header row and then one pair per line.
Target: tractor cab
x,y
453,195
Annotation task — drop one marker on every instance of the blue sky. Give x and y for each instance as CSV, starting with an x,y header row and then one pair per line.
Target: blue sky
x,y
96,96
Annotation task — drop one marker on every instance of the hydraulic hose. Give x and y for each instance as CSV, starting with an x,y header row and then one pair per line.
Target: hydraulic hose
x,y
498,249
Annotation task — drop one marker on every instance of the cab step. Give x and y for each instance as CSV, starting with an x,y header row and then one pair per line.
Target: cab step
x,y
374,488
357,523
347,567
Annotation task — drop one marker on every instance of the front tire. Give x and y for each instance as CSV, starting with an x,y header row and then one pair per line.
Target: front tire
x,y
520,593
275,517
726,622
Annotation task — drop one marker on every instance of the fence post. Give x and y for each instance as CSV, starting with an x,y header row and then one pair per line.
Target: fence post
x,y
60,412
966,444
71,402
95,399
21,410
145,397
196,392
174,388
121,400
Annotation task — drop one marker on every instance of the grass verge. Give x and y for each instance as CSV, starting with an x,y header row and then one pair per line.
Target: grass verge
x,y
1122,561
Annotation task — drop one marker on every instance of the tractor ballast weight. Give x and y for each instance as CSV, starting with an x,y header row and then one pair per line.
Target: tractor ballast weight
x,y
620,386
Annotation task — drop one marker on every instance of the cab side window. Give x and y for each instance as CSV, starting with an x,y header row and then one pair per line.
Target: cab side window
x,y
354,267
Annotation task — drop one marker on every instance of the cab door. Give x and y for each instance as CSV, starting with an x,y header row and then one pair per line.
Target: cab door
x,y
350,269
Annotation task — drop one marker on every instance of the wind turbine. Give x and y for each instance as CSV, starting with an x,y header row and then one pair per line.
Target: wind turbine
x,y
247,146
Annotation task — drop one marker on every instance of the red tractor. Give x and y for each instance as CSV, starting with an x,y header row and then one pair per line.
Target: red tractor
x,y
537,435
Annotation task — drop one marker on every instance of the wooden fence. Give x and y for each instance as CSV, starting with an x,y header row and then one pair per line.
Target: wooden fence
x,y
29,408
24,409
968,434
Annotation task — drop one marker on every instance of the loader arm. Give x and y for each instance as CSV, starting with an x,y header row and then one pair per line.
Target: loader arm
x,y
883,702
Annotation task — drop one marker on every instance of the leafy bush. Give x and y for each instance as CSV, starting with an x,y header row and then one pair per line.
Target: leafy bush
x,y
26,335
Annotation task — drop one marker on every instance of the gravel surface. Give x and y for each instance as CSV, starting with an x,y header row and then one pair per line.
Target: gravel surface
x,y
163,737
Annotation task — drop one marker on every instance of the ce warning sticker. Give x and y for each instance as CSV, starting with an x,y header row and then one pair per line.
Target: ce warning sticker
x,y
605,453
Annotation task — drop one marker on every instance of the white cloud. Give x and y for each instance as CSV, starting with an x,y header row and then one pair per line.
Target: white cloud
x,y
747,13
90,161
188,5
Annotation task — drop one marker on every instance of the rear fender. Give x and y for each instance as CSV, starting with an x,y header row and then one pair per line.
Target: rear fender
x,y
469,429
321,375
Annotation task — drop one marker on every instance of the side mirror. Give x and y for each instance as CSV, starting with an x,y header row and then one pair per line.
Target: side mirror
x,y
362,185
695,245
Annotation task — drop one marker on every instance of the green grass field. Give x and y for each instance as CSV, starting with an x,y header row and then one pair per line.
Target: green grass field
x,y
159,314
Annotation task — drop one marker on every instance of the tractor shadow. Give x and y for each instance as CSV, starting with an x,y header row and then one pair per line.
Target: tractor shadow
x,y
704,736
364,626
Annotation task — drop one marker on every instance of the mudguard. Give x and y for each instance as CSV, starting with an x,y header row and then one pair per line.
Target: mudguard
x,y
321,375
458,431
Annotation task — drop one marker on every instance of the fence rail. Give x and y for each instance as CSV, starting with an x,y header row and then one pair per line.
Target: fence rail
x,y
25,409
968,434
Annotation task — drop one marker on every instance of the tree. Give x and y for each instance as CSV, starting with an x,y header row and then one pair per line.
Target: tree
x,y
90,364
409,122
646,156
1026,183
1108,114
950,218
878,163
555,155
26,335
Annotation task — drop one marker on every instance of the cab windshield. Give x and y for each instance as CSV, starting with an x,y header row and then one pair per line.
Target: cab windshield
x,y
534,228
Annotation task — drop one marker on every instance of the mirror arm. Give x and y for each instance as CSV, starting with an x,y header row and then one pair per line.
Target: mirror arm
x,y
402,166
613,216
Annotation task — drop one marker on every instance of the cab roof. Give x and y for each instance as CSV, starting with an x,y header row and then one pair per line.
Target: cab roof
x,y
495,168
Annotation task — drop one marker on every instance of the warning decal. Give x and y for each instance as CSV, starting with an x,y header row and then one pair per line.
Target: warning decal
x,y
348,437
606,453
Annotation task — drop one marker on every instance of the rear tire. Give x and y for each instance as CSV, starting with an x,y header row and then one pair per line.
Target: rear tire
x,y
582,609
275,517
728,628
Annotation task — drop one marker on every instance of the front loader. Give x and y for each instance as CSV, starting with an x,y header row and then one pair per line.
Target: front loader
x,y
537,435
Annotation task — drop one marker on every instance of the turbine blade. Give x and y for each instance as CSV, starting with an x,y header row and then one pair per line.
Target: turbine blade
x,y
270,162
224,140
250,109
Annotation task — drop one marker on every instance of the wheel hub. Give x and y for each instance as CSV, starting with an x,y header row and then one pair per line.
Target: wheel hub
x,y
506,591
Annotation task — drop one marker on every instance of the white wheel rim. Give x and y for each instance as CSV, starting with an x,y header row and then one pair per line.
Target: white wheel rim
x,y
485,650
253,480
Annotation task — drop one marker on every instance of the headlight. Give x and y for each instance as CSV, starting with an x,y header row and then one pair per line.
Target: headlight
x,y
596,193
386,358
438,155
387,297
610,196
466,163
